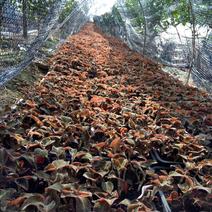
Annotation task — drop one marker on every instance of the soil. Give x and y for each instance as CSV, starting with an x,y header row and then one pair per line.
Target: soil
x,y
18,88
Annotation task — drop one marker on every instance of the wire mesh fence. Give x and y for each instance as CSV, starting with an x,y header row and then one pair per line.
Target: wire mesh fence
x,y
144,28
147,26
17,50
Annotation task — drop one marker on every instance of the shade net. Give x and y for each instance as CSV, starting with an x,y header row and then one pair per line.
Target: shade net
x,y
148,27
47,31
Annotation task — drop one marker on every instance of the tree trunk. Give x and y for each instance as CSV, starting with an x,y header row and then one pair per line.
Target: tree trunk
x,y
145,26
193,30
25,23
1,16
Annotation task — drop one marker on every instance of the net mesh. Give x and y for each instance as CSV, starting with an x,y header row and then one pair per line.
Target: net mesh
x,y
171,45
51,29
147,26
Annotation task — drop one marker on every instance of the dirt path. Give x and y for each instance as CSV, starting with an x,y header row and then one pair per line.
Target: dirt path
x,y
106,130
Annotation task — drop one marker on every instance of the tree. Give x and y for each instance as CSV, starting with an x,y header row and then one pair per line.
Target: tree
x,y
2,2
192,13
33,11
155,10
164,13
112,22
25,22
67,10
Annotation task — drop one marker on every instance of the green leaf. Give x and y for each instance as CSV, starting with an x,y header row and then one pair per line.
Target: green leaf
x,y
38,202
6,194
83,204
60,163
56,187
108,187
41,152
102,205
50,140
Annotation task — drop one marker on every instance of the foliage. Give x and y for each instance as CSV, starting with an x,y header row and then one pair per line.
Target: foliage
x,y
156,11
163,13
67,10
109,18
112,19
116,15
39,9
36,9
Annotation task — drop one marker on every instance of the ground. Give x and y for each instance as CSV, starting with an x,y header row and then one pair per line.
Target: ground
x,y
18,88
106,130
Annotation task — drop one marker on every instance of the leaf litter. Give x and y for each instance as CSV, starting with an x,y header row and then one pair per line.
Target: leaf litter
x,y
106,130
